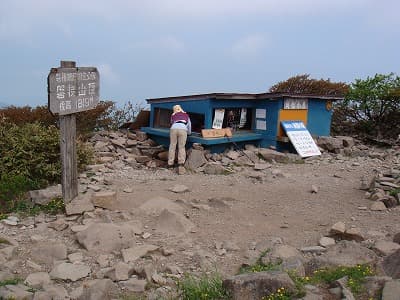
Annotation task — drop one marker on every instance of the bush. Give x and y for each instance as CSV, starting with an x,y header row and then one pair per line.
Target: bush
x,y
203,288
31,151
12,190
105,116
30,159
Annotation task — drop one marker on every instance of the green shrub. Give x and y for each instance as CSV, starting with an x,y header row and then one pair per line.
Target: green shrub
x,y
31,151
12,190
30,159
356,276
207,287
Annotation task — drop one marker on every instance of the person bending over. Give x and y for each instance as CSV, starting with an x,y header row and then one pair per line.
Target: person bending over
x,y
181,127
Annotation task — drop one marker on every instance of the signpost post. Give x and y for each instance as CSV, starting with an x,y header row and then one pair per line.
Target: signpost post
x,y
71,90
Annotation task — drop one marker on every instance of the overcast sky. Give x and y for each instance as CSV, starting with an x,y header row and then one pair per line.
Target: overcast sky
x,y
158,48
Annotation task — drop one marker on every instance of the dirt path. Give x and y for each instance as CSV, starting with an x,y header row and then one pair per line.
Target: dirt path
x,y
243,210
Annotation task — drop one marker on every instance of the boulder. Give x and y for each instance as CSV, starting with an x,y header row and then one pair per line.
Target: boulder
x,y
51,292
47,252
391,290
68,271
385,248
134,285
96,289
173,223
37,280
195,159
257,285
79,204
18,291
44,196
344,253
214,169
106,237
391,265
272,155
134,253
179,188
106,199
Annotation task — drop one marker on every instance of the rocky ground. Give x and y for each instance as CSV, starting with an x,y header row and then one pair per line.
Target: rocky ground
x,y
136,226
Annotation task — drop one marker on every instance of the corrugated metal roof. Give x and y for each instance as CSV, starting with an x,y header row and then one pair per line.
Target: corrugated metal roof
x,y
240,96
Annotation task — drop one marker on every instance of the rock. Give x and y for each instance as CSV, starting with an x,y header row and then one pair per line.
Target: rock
x,y
68,271
94,187
347,294
261,166
313,249
50,292
103,260
179,188
214,169
158,279
33,265
385,248
272,155
44,196
106,237
396,238
120,272
391,265
326,241
134,253
173,223
338,228
233,155
378,206
344,253
96,289
141,136
10,221
37,280
134,285
279,253
389,201
314,189
257,285
58,225
158,204
105,199
18,291
293,264
347,141
75,257
143,159
47,252
330,143
374,285
354,234
195,159
7,240
79,204
391,290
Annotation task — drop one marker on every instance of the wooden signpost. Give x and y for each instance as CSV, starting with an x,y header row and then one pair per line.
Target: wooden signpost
x,y
71,90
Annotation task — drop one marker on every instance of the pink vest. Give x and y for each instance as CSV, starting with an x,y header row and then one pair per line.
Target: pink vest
x,y
179,116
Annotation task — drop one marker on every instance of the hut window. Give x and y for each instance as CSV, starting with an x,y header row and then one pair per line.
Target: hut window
x,y
237,118
162,117
295,103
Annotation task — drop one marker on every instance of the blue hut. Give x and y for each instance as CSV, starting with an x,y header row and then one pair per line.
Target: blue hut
x,y
254,118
